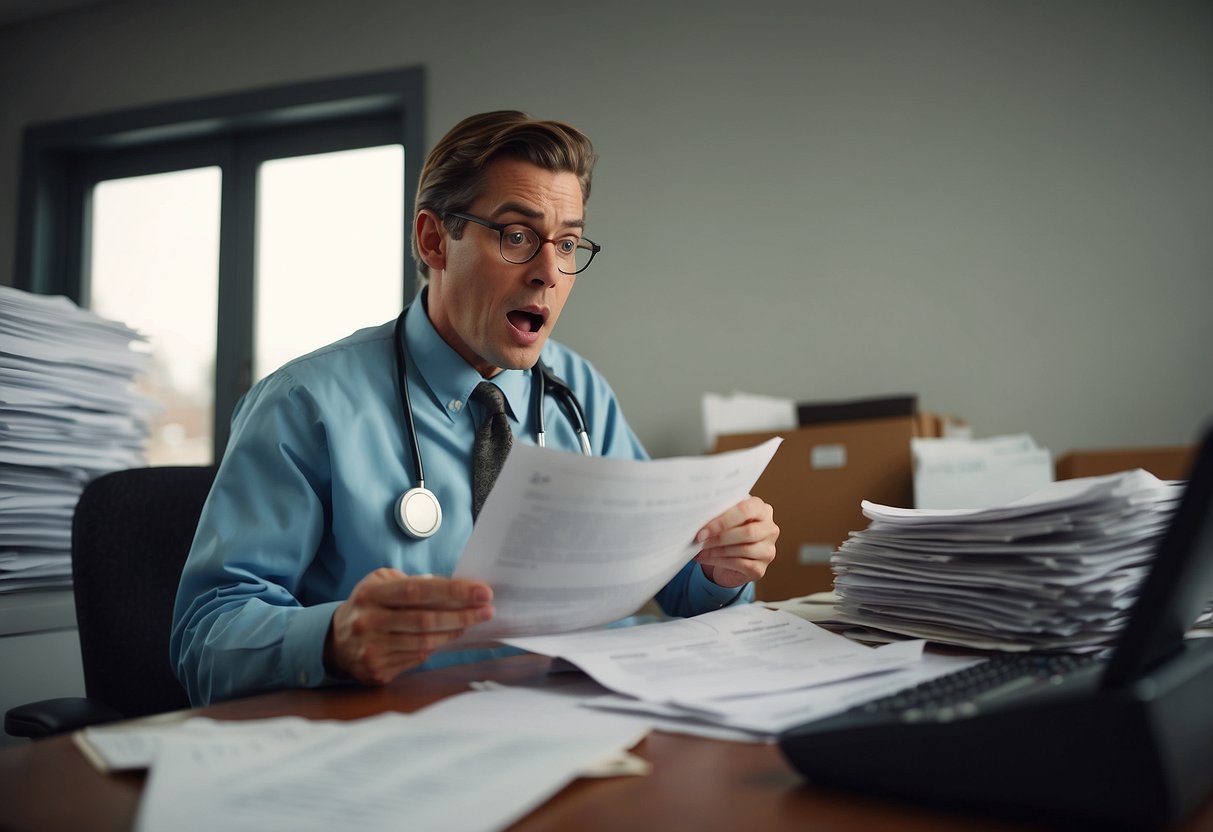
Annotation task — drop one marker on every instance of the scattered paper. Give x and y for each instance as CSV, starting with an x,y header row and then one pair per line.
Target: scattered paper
x,y
764,718
133,746
736,651
378,773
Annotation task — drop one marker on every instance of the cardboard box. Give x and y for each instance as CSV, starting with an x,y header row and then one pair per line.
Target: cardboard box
x,y
1170,463
816,482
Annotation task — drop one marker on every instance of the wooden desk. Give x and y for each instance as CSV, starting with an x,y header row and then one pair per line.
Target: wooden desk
x,y
695,783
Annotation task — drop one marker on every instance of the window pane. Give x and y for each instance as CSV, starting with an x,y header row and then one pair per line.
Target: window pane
x,y
155,266
330,249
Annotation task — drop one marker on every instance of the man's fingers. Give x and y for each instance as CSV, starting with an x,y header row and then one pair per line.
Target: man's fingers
x,y
740,514
406,621
739,543
739,536
406,592
392,622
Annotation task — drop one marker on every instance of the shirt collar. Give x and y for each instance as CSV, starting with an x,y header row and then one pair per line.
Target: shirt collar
x,y
445,374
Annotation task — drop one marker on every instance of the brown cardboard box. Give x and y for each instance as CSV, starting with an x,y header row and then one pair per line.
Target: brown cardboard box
x,y
1165,463
816,482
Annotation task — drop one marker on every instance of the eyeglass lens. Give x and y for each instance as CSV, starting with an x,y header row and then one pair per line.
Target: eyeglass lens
x,y
519,243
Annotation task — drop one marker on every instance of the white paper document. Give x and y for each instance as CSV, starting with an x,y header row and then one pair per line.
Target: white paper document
x,y
764,718
558,709
129,746
737,651
386,772
569,542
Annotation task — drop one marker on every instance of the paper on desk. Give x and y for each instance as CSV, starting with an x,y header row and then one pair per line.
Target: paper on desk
x,y
385,772
134,745
736,651
572,699
569,542
130,746
766,717
551,709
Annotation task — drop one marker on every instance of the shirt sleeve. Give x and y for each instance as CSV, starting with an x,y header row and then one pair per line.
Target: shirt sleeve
x,y
690,592
238,625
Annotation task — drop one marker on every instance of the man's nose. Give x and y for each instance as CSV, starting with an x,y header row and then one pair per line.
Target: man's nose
x,y
545,265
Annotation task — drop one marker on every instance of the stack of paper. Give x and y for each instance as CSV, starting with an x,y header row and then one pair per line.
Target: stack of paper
x,y
68,413
1057,570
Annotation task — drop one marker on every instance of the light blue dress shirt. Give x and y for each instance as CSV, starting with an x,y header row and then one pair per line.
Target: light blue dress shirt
x,y
303,504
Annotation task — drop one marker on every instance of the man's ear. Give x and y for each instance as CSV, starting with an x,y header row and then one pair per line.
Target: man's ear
x,y
431,239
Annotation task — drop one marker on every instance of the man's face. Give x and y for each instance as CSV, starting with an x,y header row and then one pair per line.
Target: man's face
x,y
497,314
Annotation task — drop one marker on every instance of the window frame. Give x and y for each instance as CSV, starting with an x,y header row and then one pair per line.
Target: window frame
x,y
62,161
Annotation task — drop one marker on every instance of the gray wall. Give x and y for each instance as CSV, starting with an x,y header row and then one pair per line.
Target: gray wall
x,y
1005,207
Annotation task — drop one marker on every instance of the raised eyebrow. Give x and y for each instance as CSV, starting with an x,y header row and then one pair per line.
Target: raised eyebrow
x,y
531,213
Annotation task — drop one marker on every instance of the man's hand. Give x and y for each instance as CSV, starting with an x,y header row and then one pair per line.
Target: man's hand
x,y
738,545
392,622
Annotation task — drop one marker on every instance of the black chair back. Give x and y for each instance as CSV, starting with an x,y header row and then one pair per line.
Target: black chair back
x,y
131,533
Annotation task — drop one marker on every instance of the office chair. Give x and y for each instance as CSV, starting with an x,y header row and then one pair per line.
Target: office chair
x,y
131,533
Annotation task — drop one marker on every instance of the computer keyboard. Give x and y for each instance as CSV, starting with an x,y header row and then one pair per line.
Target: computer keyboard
x,y
1002,680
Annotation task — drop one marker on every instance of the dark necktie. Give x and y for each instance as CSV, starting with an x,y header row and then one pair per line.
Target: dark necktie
x,y
493,441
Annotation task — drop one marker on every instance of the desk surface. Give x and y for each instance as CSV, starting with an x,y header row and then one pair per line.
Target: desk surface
x,y
694,784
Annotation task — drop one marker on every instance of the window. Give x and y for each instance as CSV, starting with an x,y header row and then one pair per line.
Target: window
x,y
237,232
329,249
154,264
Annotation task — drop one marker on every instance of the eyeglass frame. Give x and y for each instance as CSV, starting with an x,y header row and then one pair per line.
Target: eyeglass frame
x,y
593,248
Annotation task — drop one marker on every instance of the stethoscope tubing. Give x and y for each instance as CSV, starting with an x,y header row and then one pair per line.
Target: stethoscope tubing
x,y
418,511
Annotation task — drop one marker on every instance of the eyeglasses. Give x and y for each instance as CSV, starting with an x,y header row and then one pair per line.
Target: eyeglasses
x,y
520,243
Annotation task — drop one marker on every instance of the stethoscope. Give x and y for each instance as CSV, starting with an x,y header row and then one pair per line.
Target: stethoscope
x,y
418,511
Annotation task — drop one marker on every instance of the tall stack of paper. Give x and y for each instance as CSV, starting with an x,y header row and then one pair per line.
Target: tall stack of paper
x,y
68,413
1056,570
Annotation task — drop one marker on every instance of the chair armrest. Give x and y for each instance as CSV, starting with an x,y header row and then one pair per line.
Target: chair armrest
x,y
56,716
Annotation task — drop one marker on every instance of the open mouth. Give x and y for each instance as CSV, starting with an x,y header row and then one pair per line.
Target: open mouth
x,y
525,321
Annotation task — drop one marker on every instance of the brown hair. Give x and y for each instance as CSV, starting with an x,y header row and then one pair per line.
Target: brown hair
x,y
453,175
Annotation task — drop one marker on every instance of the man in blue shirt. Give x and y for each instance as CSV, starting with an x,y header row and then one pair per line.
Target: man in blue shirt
x,y
299,574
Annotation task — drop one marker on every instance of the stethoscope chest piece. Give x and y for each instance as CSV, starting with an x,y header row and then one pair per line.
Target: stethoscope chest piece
x,y
418,512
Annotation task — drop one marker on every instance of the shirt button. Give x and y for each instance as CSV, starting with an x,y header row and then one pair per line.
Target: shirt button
x,y
455,405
